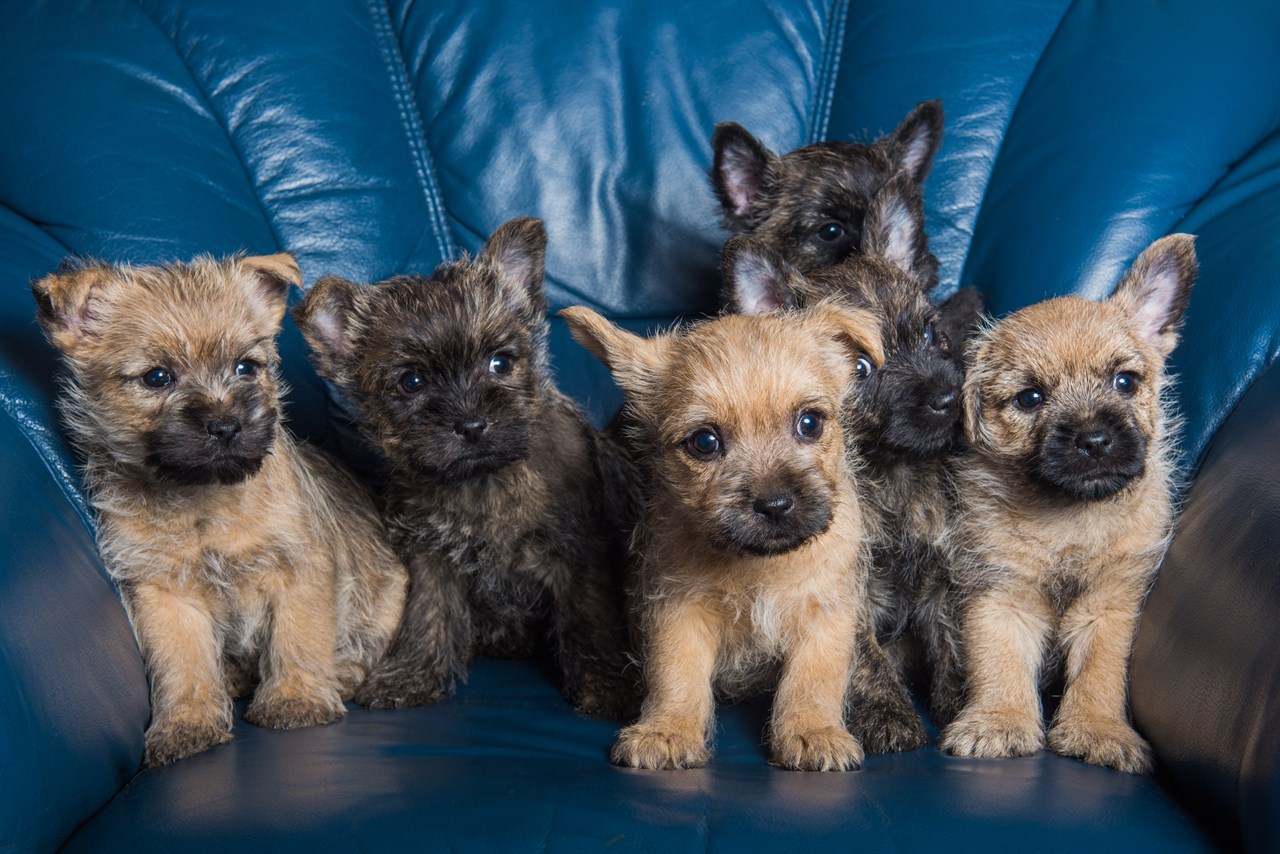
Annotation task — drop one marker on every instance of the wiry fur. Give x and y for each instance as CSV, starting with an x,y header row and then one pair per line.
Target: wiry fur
x,y
731,594
1068,511
237,560
514,527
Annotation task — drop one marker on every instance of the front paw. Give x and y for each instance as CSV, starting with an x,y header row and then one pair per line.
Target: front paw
x,y
275,709
888,728
647,746
827,749
615,697
172,740
1113,744
993,735
402,687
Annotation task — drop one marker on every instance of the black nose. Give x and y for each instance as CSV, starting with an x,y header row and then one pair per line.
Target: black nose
x,y
774,506
224,429
944,401
471,429
1095,443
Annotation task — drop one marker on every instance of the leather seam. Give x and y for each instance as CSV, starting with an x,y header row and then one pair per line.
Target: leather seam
x,y
50,459
413,123
829,73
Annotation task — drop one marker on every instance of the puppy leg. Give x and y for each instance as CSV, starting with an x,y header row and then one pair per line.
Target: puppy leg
x,y
1004,633
807,729
590,636
882,715
431,648
191,710
676,718
1091,724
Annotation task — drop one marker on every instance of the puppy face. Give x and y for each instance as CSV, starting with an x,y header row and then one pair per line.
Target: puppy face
x,y
1066,394
909,407
446,370
173,368
741,415
811,204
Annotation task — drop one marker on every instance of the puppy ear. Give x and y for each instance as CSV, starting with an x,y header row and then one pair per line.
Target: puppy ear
x,y
63,300
915,141
894,225
975,428
325,316
1157,288
517,253
741,169
959,317
756,278
274,275
635,362
855,330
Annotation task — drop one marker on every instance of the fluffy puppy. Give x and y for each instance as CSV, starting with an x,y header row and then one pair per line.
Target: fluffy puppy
x,y
237,551
751,568
509,509
1067,496
902,419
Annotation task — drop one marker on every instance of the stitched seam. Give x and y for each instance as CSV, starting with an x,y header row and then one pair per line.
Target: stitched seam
x,y
413,122
824,97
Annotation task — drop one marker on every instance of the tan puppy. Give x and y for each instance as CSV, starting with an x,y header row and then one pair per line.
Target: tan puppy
x,y
238,552
751,566
1067,497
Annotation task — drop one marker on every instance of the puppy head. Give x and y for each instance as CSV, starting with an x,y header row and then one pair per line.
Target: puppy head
x,y
811,204
908,408
173,369
448,371
1067,393
740,416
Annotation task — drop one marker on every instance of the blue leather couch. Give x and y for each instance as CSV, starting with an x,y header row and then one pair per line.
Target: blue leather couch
x,y
372,137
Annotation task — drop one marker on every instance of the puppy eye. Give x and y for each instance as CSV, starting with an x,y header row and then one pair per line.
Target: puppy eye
x,y
412,381
246,368
831,232
500,364
864,367
809,426
931,336
1125,382
1029,399
704,444
157,378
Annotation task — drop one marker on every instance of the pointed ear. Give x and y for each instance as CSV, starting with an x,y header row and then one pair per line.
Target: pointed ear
x,y
855,330
756,278
325,317
1157,288
63,300
517,253
915,141
274,276
894,225
741,169
635,362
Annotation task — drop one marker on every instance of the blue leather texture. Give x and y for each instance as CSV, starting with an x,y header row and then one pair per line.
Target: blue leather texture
x,y
373,137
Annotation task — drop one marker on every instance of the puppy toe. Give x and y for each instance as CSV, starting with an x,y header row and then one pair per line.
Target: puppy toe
x,y
277,710
885,729
656,748
826,749
992,735
1110,744
173,740
396,689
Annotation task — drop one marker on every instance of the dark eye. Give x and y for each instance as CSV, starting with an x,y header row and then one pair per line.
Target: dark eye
x,y
500,364
809,425
831,232
864,367
157,378
246,368
1029,399
930,334
412,381
703,444
1125,382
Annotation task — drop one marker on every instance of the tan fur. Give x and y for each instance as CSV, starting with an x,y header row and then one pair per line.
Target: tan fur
x,y
1047,572
714,617
286,574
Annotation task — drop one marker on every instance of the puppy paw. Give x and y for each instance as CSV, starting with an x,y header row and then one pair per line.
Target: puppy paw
x,y
616,698
826,749
172,740
277,710
398,689
886,728
1113,744
992,735
647,746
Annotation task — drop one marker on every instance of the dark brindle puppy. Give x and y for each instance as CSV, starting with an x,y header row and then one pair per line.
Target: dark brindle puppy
x,y
509,509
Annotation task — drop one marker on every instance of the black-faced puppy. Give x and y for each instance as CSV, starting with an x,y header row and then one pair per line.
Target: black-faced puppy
x,y
751,553
509,509
238,552
1067,511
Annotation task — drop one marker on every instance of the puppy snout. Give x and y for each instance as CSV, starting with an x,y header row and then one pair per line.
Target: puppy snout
x,y
226,429
775,506
1095,442
471,429
944,402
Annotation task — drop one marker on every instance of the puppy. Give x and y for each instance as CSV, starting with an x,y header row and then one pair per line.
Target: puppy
x,y
751,549
237,551
509,509
1067,497
902,420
